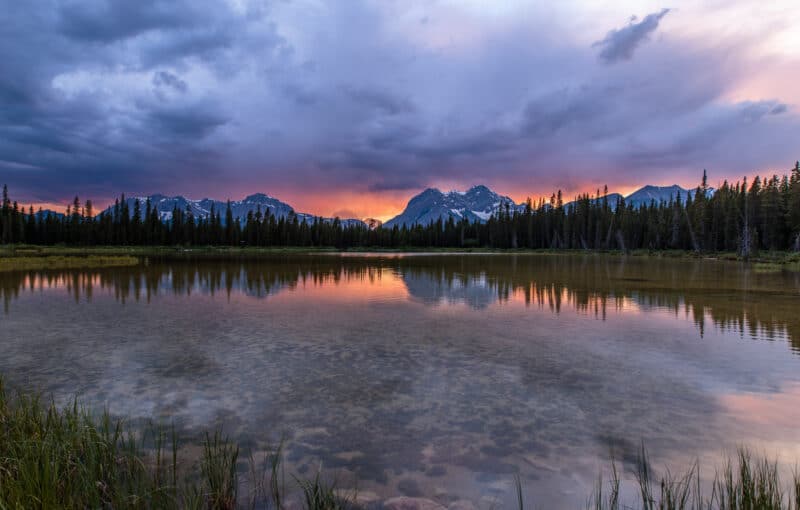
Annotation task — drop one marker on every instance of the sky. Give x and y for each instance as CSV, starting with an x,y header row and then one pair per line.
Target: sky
x,y
352,107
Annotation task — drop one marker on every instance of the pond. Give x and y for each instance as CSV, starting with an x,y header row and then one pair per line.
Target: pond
x,y
429,375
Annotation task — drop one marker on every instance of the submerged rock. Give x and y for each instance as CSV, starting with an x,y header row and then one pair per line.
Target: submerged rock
x,y
462,504
409,487
406,503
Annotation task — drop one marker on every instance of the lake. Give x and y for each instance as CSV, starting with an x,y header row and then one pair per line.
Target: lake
x,y
428,374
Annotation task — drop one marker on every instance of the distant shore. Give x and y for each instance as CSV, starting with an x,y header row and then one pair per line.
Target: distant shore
x,y
32,257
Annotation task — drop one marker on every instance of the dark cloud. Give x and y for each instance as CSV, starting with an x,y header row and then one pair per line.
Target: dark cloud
x,y
100,97
194,122
754,111
400,183
207,43
717,135
473,145
620,43
393,136
546,115
106,21
149,33
167,79
381,100
71,116
779,108
344,213
299,94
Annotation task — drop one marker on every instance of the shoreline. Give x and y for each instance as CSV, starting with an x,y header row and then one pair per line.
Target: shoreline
x,y
32,257
25,250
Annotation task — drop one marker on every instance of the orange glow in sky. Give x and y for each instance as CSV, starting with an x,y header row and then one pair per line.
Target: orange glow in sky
x,y
384,205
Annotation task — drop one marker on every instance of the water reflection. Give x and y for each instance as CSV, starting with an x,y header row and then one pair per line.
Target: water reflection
x,y
434,375
731,296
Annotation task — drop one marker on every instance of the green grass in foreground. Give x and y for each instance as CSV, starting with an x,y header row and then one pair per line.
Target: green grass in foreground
x,y
66,458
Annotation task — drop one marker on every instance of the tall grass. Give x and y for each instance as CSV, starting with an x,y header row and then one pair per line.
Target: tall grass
x,y
746,483
600,501
319,495
67,458
51,458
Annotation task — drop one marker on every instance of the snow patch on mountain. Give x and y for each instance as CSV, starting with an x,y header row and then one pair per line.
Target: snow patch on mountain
x,y
646,195
478,203
239,208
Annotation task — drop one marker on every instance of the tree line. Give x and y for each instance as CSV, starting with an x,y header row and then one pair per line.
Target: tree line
x,y
763,214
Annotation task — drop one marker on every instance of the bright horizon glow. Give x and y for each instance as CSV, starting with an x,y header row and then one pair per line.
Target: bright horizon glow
x,y
385,206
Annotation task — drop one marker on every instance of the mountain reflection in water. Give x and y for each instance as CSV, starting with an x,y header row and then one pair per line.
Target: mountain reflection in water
x,y
730,295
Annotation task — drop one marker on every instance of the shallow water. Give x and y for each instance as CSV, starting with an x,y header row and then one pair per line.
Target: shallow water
x,y
433,375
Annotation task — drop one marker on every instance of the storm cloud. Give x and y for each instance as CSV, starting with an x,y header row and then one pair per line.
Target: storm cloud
x,y
619,44
224,97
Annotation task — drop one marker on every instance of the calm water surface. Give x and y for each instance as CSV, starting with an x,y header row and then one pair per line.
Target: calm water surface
x,y
429,375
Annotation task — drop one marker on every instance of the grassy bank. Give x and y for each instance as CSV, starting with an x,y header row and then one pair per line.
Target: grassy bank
x,y
46,262
766,259
67,458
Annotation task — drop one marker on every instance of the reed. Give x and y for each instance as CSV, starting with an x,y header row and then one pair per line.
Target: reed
x,y
744,483
67,458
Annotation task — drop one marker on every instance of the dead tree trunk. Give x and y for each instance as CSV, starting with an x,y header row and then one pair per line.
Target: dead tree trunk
x,y
691,231
747,242
621,242
608,236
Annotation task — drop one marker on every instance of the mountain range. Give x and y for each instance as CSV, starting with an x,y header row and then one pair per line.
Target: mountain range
x,y
647,194
478,203
239,208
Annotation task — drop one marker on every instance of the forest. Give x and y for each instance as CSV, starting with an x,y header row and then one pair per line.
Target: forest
x,y
743,217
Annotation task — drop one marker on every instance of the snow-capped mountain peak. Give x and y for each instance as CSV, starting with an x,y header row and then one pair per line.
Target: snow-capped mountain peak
x,y
478,203
645,195
239,208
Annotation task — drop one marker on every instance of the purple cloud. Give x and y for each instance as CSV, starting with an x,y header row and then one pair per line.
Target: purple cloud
x,y
619,44
214,97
